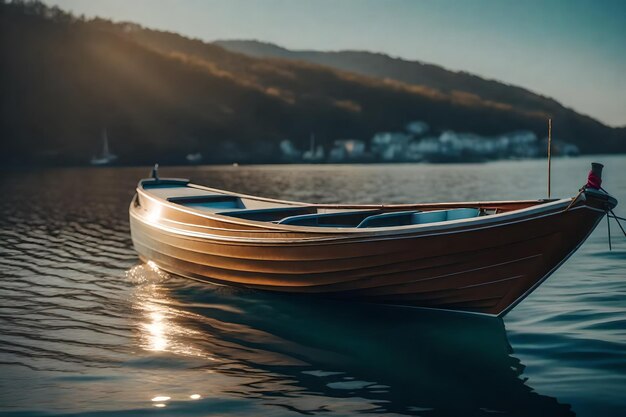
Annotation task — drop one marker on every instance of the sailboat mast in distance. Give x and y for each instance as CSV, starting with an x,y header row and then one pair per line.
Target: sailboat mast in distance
x,y
106,157
105,144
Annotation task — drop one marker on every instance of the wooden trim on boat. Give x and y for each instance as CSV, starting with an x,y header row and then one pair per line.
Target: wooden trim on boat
x,y
506,206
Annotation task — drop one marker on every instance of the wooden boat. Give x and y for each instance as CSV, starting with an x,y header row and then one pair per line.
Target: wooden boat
x,y
481,257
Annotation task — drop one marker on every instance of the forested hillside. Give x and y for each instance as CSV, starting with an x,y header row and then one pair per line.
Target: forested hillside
x,y
161,96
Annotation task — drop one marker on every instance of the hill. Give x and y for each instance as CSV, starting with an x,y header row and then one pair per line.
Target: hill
x,y
411,72
161,96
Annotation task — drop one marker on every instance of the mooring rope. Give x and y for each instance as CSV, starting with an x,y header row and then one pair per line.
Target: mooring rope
x,y
617,219
608,226
575,199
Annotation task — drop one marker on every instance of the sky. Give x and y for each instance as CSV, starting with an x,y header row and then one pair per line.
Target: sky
x,y
571,50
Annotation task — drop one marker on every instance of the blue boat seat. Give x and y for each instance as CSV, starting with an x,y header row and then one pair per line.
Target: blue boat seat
x,y
430,217
210,201
445,215
462,213
397,218
403,218
340,219
308,216
269,214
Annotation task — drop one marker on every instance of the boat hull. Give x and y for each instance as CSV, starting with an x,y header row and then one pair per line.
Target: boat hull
x,y
482,267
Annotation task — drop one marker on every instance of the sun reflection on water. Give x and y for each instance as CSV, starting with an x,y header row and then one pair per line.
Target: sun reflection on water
x,y
161,326
161,398
156,331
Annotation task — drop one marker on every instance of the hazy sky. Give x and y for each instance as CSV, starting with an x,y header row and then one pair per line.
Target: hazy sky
x,y
572,50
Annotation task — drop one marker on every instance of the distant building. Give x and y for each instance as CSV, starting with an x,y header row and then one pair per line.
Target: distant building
x,y
347,149
519,144
426,146
315,153
565,149
448,146
289,151
417,127
194,158
390,146
451,146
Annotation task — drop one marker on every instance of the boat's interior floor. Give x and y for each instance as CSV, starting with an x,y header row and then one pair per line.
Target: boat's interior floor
x,y
302,215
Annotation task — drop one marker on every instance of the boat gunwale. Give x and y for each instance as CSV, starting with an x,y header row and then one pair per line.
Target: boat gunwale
x,y
401,206
337,239
344,235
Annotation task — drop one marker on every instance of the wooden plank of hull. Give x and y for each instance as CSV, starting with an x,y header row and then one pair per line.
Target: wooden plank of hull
x,y
448,268
493,290
314,276
198,253
463,276
482,306
305,262
479,304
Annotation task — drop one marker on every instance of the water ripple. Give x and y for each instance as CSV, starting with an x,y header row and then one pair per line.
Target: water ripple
x,y
87,330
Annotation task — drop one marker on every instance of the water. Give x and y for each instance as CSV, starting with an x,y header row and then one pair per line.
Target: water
x,y
85,329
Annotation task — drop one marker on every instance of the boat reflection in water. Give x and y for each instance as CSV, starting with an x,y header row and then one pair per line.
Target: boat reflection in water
x,y
312,355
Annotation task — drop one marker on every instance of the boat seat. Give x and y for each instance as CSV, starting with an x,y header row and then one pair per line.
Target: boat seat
x,y
269,214
430,217
339,219
462,213
397,218
445,215
211,201
403,218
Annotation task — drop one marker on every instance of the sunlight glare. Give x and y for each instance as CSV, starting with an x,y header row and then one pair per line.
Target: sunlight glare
x,y
161,398
153,266
154,215
156,329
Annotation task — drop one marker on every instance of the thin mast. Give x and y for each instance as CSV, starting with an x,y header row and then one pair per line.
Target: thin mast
x,y
105,144
549,154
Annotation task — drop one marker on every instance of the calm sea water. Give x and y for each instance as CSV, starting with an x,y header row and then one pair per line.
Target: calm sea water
x,y
85,329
